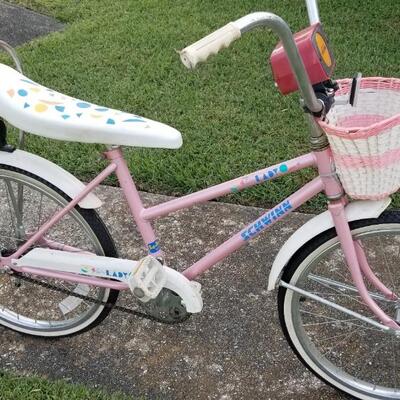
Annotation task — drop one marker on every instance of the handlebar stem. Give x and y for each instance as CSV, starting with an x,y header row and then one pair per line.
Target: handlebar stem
x,y
281,28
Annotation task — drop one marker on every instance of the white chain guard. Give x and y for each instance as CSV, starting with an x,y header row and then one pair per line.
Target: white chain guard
x,y
107,267
189,291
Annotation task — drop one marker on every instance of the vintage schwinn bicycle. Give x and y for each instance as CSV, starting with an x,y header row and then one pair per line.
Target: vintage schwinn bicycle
x,y
337,276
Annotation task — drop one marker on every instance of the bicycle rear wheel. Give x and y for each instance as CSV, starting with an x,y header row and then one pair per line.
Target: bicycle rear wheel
x,y
347,353
26,202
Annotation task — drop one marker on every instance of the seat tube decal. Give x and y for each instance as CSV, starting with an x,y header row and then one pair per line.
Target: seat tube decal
x,y
153,247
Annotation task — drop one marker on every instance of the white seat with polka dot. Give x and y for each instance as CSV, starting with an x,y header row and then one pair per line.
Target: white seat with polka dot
x,y
45,112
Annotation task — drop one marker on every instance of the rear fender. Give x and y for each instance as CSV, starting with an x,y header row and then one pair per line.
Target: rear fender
x,y
51,173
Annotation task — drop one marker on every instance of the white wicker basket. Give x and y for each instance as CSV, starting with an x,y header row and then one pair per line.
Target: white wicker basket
x,y
365,140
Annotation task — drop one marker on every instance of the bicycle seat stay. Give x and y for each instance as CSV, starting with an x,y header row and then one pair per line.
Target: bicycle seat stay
x,y
45,112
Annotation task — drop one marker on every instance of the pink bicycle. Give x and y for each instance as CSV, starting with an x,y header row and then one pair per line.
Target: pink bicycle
x,y
336,276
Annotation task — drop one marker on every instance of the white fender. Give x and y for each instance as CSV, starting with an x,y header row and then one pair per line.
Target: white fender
x,y
50,172
354,211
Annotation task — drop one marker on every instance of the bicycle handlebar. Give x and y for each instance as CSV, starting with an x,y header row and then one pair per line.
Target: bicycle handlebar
x,y
209,45
223,37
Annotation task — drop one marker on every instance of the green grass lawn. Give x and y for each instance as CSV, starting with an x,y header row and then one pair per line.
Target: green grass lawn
x,y
22,388
122,54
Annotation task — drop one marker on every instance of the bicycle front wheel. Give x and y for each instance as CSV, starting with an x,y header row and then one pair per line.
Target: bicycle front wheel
x,y
347,353
26,202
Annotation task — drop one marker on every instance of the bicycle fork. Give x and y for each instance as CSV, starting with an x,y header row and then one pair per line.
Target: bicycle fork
x,y
358,265
354,254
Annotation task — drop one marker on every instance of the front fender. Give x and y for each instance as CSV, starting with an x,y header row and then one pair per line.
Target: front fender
x,y
51,173
354,211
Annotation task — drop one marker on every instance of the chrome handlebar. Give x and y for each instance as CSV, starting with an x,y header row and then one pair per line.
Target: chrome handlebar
x,y
281,28
211,44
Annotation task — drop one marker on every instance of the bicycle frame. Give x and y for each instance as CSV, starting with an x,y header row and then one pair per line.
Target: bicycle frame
x,y
326,182
142,216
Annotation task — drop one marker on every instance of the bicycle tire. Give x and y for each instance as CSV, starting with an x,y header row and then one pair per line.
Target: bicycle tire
x,y
346,353
84,224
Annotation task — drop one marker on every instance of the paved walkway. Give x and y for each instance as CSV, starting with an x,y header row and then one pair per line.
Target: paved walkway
x,y
233,350
19,25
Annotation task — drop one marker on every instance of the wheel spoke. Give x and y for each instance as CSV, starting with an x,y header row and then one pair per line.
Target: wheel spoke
x,y
39,220
343,349
30,307
339,285
336,321
345,337
17,207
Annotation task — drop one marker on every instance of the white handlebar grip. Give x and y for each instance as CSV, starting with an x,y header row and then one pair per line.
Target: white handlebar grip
x,y
211,44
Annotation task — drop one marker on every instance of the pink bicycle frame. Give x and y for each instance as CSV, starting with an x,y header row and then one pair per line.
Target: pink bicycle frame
x,y
326,181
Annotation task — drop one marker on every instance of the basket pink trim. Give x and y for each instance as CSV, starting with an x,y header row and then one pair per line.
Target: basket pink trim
x,y
372,82
376,161
392,84
361,133
357,122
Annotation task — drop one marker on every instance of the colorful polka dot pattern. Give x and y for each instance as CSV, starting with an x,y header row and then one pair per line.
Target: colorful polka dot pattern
x,y
41,100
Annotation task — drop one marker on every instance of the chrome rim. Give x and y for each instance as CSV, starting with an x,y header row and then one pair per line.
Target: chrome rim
x,y
25,204
349,353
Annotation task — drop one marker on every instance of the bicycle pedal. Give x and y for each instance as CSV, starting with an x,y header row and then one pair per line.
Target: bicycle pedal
x,y
148,278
